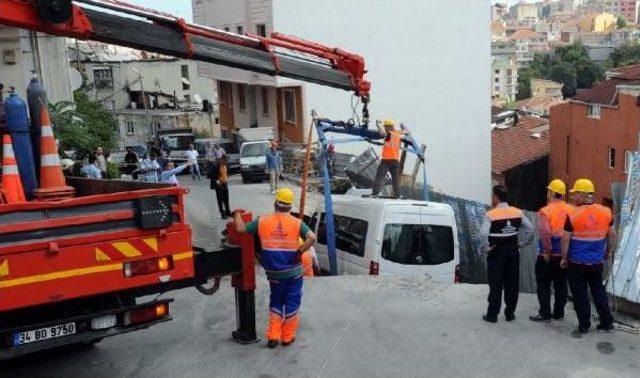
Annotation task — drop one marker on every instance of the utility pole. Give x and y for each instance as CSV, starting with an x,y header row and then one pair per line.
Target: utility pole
x,y
147,118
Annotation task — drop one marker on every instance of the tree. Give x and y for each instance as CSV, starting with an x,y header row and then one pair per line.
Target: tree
x,y
569,65
564,73
84,125
624,55
621,23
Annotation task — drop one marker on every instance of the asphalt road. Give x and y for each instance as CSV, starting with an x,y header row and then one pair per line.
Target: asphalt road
x,y
351,327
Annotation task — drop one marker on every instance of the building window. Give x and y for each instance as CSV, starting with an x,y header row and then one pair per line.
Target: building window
x,y
593,111
226,28
130,128
240,30
242,101
261,30
497,80
265,101
289,105
186,84
103,77
509,72
612,157
497,72
628,160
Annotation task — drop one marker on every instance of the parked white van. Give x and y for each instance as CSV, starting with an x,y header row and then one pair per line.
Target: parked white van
x,y
390,236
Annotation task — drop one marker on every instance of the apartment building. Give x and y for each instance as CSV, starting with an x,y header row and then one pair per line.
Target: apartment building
x,y
504,80
625,8
594,133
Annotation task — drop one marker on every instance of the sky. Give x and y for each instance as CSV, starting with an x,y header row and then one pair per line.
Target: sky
x,y
180,8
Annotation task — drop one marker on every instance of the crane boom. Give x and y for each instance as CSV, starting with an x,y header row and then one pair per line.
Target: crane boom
x,y
112,21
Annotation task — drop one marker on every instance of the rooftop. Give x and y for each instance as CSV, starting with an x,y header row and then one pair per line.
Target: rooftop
x,y
514,146
606,92
523,34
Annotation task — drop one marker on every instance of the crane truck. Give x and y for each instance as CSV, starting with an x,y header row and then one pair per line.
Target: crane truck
x,y
75,270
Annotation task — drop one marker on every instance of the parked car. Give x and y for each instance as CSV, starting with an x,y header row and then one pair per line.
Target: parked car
x,y
390,236
253,161
206,144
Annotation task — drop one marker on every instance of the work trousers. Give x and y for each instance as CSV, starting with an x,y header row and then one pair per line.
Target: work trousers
x,y
503,269
548,273
274,179
222,195
581,277
284,304
392,166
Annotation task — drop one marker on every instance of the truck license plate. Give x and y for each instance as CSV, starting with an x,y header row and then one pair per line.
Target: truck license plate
x,y
36,335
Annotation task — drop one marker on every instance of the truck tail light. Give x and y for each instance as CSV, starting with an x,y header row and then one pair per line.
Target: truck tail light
x,y
374,268
456,274
148,266
146,314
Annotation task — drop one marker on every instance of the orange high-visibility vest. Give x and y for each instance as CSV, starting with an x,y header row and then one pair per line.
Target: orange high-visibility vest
x,y
279,234
391,147
556,212
591,225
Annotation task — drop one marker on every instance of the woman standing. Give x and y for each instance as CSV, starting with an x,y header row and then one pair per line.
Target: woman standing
x,y
219,178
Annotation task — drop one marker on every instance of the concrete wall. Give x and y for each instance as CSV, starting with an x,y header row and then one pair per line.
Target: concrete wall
x,y
230,14
427,70
45,55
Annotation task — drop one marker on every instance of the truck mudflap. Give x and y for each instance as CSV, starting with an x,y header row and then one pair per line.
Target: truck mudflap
x,y
82,329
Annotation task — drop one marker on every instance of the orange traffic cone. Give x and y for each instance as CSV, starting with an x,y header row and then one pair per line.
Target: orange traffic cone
x,y
14,192
52,182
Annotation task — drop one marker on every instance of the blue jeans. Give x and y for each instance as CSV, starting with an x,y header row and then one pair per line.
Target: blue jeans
x,y
195,171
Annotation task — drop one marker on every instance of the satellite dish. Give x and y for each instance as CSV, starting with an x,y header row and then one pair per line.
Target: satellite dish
x,y
75,78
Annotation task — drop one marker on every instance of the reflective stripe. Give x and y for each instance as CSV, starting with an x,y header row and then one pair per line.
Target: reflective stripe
x,y
8,152
10,170
50,160
510,235
47,131
588,239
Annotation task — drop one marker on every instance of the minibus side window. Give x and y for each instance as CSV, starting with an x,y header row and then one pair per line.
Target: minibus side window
x,y
351,234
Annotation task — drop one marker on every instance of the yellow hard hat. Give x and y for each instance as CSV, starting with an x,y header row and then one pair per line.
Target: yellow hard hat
x,y
285,195
583,185
558,186
388,123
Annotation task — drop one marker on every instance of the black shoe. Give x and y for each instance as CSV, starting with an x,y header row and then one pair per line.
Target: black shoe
x,y
510,317
607,327
578,332
539,318
287,343
558,317
272,344
490,319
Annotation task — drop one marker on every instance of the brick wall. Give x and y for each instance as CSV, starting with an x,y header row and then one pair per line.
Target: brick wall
x,y
580,145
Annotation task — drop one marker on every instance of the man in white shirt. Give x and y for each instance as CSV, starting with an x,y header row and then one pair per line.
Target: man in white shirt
x,y
150,168
192,160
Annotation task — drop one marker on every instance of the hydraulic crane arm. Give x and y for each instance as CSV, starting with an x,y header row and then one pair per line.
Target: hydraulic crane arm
x,y
111,21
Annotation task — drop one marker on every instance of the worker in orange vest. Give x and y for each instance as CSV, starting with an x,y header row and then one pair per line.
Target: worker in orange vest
x,y
551,220
279,233
309,261
588,240
500,234
390,157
